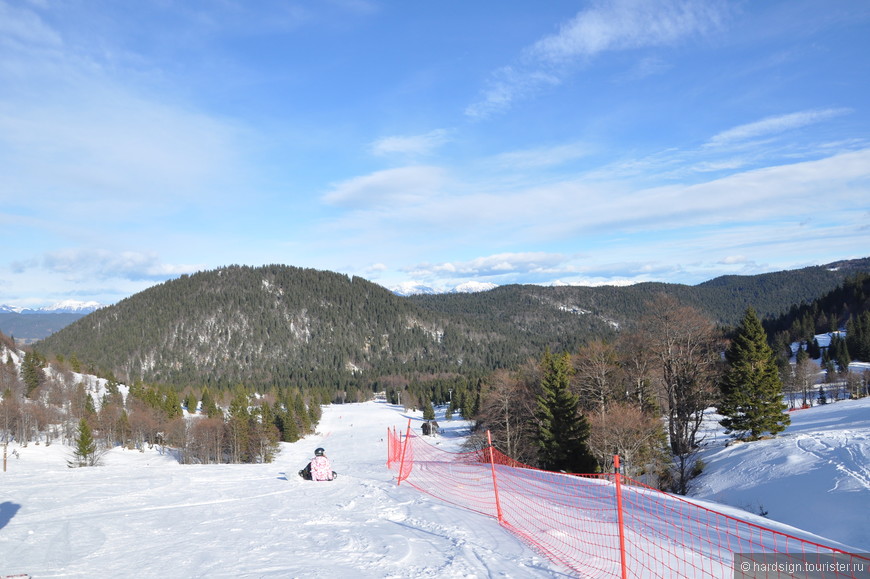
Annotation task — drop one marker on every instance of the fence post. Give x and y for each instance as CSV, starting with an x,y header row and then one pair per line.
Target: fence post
x,y
404,448
389,447
494,480
617,478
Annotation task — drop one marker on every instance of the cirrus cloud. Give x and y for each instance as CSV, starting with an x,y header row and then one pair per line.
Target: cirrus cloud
x,y
401,186
411,144
605,26
774,125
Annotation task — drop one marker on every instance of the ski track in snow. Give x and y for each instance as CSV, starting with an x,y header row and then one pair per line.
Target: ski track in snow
x,y
814,476
144,515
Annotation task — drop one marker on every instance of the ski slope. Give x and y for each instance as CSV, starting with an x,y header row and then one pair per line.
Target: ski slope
x,y
814,476
144,515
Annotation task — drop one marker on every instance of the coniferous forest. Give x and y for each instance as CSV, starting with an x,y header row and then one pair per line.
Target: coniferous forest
x,y
256,351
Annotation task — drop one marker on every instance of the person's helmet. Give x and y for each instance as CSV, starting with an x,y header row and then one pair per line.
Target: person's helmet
x,y
319,452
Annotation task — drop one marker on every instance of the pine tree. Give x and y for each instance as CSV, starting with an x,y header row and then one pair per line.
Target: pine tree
x,y
85,451
428,411
752,400
562,430
31,372
858,337
813,349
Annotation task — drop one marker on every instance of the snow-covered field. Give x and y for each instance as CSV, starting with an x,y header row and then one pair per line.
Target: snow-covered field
x,y
144,515
814,476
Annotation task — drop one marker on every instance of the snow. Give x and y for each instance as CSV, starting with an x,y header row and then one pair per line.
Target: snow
x,y
409,288
814,476
62,307
142,514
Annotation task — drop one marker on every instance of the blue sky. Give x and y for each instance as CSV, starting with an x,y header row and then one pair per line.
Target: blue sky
x,y
430,142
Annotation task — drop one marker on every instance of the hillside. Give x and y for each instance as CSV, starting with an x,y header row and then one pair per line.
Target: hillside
x,y
724,299
280,325
814,475
269,325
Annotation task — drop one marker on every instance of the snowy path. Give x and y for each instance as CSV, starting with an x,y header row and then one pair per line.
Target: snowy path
x,y
143,515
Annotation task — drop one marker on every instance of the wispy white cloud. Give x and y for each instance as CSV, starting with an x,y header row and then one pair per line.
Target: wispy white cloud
x,y
773,126
612,215
734,259
401,186
83,264
626,24
542,157
411,144
20,25
116,151
644,68
497,265
508,85
605,26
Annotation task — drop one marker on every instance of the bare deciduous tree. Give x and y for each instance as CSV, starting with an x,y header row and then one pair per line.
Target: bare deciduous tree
x,y
637,437
596,375
637,371
687,350
507,411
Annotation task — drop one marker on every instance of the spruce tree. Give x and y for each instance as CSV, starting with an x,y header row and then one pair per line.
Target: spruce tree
x,y
752,402
31,372
85,450
562,430
428,411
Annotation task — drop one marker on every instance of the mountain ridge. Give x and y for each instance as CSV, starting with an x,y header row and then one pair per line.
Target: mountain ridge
x,y
283,325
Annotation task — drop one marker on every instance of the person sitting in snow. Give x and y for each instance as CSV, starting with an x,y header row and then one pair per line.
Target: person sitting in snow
x,y
319,468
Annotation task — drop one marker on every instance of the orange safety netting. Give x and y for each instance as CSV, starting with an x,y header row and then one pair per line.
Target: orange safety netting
x,y
608,525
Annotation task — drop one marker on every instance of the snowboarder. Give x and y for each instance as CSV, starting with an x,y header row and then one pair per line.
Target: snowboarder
x,y
319,468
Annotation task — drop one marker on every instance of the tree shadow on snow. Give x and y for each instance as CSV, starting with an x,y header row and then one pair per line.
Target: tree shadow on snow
x,y
7,511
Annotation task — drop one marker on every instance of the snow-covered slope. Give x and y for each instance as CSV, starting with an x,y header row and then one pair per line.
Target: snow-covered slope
x,y
814,476
143,515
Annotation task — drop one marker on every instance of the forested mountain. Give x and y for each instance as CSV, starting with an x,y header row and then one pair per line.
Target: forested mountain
x,y
846,307
724,299
279,325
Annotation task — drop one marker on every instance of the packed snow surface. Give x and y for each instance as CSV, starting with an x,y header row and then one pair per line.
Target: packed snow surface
x,y
144,515
814,476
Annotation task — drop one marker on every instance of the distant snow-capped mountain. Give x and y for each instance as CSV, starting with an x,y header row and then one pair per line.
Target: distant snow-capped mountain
x,y
63,307
409,288
472,287
413,288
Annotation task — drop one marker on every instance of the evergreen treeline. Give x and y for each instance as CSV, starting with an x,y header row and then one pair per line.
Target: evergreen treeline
x,y
271,326
723,299
846,307
281,326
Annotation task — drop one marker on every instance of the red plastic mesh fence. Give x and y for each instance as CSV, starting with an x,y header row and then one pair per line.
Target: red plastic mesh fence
x,y
608,525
